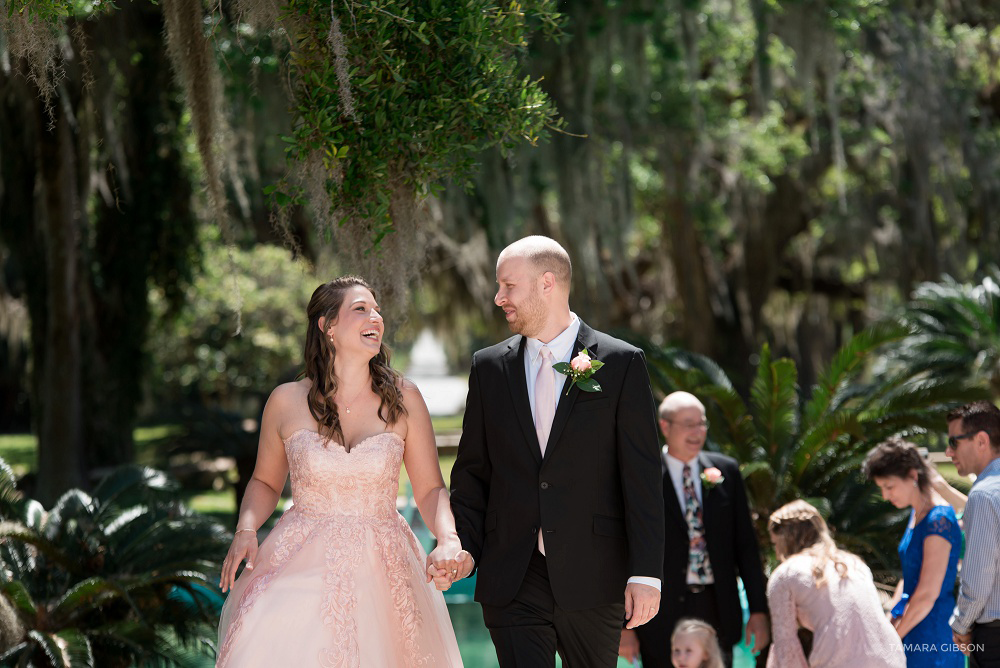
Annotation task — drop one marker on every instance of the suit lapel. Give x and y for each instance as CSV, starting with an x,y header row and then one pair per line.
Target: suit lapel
x,y
709,497
513,366
585,339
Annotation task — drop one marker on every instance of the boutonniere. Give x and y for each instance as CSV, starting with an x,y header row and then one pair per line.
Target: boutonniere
x,y
579,371
711,477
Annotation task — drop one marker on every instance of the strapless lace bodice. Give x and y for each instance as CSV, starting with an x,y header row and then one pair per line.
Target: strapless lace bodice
x,y
328,481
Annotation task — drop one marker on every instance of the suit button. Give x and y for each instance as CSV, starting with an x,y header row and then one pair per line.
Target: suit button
x,y
545,485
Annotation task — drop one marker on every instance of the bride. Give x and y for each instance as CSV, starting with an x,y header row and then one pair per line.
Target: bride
x,y
341,580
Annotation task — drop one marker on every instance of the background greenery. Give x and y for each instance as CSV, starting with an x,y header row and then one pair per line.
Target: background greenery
x,y
791,205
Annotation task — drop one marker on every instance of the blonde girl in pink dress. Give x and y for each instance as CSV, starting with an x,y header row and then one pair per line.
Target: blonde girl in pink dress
x,y
341,580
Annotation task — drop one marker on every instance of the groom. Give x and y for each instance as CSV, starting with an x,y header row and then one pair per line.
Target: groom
x,y
556,491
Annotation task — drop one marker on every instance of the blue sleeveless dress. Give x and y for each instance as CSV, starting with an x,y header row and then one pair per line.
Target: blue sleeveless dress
x,y
929,644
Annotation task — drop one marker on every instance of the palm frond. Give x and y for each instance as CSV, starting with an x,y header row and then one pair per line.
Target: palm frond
x,y
10,497
130,486
20,598
15,531
90,593
77,508
847,363
774,403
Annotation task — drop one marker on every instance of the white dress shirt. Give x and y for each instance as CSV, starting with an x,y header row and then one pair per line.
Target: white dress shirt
x,y
562,350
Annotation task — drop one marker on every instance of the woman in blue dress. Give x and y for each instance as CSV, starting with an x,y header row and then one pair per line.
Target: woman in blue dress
x,y
929,553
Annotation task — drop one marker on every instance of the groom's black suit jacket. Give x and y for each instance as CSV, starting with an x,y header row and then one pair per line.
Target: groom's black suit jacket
x,y
597,493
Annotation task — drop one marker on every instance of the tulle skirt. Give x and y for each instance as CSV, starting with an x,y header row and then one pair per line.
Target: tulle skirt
x,y
337,591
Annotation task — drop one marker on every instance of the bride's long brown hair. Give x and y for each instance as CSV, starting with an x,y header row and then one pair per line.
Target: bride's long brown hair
x,y
320,354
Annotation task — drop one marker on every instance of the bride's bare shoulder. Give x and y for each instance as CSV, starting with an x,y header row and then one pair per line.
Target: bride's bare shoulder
x,y
409,391
290,393
413,400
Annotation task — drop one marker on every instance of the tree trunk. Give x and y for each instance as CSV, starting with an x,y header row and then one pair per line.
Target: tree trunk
x,y
96,202
59,422
698,321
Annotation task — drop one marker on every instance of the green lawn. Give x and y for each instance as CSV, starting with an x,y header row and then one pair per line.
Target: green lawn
x,y
222,504
21,453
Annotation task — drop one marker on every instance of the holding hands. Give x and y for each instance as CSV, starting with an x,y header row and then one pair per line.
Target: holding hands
x,y
447,563
244,546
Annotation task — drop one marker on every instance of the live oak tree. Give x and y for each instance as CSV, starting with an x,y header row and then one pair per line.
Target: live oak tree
x,y
385,99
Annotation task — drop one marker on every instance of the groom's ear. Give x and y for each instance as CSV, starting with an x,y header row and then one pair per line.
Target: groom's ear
x,y
548,281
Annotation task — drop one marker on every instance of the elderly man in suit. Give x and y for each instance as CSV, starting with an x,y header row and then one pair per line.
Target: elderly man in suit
x,y
704,500
556,489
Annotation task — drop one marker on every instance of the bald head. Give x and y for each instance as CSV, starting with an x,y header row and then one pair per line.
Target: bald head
x,y
676,401
544,254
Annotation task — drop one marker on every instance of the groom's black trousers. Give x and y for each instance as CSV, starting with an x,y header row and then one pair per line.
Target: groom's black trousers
x,y
529,630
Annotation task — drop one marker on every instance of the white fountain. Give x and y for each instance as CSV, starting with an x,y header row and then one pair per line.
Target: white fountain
x,y
445,394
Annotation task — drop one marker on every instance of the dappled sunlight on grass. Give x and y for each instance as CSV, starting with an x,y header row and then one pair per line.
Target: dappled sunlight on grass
x,y
20,451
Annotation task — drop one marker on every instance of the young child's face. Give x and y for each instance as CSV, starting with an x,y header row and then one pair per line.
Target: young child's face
x,y
687,652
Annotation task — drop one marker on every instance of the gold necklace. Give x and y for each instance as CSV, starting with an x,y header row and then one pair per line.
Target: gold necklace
x,y
347,409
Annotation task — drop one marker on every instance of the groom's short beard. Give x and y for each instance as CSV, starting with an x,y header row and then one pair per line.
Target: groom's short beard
x,y
530,317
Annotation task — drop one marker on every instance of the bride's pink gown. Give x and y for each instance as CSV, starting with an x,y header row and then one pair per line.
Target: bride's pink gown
x,y
340,579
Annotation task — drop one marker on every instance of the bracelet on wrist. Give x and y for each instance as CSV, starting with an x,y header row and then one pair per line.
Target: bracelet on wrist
x,y
239,531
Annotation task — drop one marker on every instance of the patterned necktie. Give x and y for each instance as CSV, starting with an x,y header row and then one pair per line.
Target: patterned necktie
x,y
545,398
699,568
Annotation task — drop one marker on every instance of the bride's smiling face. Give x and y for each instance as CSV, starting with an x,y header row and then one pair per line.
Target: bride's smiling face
x,y
358,328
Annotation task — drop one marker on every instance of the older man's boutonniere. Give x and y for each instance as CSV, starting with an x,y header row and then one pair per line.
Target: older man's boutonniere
x,y
711,477
579,371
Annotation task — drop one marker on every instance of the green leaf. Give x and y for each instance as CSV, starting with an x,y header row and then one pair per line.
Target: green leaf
x,y
588,385
85,595
66,649
562,367
19,596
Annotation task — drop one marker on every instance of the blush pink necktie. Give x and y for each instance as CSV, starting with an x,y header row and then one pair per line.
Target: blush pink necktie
x,y
545,398
545,408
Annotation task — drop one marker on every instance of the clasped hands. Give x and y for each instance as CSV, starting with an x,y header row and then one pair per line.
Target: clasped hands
x,y
447,563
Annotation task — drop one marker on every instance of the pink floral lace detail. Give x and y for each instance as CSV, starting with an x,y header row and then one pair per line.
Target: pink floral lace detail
x,y
290,538
339,498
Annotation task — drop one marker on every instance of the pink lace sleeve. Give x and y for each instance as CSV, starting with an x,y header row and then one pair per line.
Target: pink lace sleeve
x,y
786,650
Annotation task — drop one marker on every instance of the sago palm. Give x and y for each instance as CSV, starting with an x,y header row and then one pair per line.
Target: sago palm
x,y
120,577
956,330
